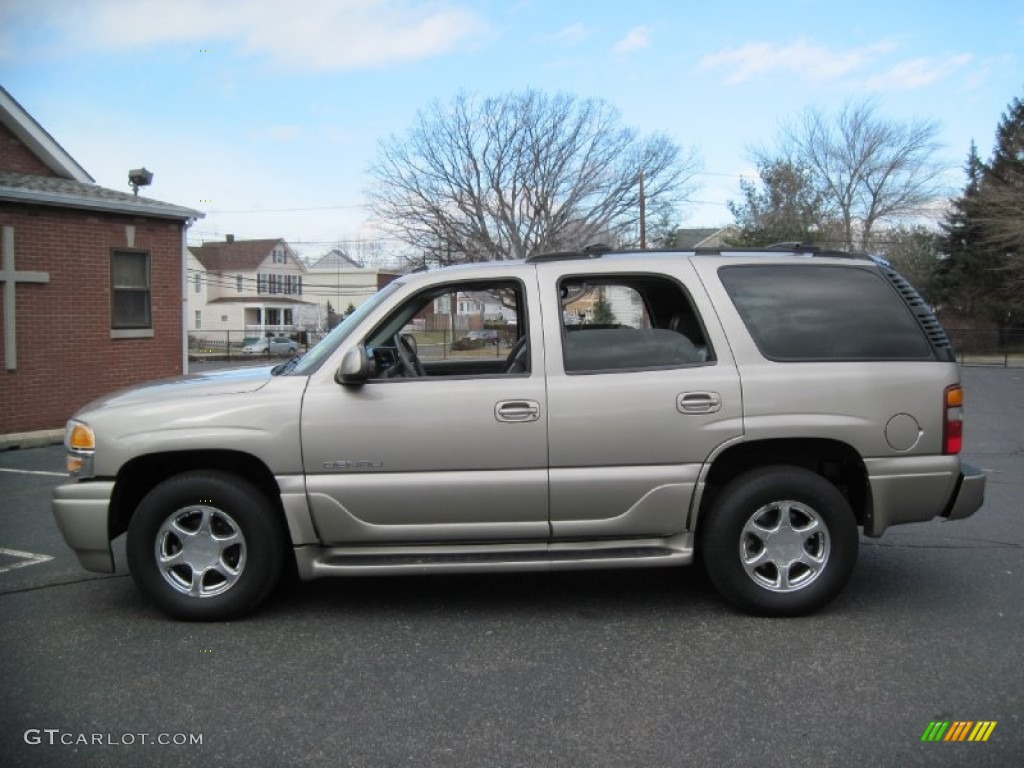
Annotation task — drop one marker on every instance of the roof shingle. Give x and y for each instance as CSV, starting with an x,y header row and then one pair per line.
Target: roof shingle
x,y
238,255
66,193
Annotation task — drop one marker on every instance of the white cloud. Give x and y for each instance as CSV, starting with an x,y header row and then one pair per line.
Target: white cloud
x,y
574,34
279,133
317,35
916,73
636,39
809,62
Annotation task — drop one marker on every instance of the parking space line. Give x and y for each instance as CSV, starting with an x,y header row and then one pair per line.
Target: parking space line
x,y
29,558
33,472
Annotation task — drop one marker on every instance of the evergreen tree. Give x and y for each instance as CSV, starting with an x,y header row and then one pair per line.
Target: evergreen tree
x,y
965,279
784,207
1001,208
983,274
603,314
917,252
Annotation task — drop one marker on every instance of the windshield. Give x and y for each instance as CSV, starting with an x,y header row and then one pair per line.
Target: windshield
x,y
316,356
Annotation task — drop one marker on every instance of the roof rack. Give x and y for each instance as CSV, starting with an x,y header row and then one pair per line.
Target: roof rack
x,y
596,250
806,249
592,251
559,256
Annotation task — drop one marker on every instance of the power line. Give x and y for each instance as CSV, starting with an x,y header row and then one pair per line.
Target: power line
x,y
294,210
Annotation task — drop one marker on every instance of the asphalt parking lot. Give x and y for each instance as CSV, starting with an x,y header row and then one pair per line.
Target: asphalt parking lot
x,y
617,668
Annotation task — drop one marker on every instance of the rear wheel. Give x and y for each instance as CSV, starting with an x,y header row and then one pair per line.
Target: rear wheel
x,y
205,546
779,541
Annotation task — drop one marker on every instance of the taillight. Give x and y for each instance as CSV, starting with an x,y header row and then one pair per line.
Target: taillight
x,y
953,420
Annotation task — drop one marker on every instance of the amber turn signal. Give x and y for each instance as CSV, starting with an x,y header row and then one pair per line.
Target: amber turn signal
x,y
81,438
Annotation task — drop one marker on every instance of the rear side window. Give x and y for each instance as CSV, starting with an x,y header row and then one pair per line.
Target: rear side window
x,y
824,312
629,323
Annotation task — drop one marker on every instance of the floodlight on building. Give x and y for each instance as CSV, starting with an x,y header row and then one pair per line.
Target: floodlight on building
x,y
139,177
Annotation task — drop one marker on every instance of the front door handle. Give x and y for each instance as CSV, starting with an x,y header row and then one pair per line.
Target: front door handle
x,y
699,402
514,411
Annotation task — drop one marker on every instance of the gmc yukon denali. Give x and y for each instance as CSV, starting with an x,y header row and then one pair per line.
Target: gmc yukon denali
x,y
762,408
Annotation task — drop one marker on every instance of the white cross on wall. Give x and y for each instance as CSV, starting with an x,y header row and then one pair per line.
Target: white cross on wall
x,y
10,278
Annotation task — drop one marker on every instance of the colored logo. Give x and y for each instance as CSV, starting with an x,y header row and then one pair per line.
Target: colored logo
x,y
958,730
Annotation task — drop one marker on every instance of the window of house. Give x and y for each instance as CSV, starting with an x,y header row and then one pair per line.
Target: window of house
x,y
130,301
823,312
273,317
199,320
238,283
629,323
196,281
287,317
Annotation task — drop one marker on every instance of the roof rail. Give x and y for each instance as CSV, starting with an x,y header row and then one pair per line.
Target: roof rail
x,y
805,249
586,253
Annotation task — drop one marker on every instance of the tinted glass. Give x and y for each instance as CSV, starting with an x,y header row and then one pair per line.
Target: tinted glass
x,y
824,312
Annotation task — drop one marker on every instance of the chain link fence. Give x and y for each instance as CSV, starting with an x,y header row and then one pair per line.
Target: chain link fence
x,y
216,346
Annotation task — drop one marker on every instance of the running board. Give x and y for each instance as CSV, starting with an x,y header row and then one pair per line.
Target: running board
x,y
315,562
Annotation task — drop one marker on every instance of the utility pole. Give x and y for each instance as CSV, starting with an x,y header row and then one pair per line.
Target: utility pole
x,y
643,215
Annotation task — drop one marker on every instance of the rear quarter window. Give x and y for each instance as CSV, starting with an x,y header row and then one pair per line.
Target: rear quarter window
x,y
800,312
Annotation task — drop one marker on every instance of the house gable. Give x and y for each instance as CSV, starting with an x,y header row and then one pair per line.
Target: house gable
x,y
63,239
20,128
16,157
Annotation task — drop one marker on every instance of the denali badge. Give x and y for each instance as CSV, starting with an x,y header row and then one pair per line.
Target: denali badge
x,y
343,464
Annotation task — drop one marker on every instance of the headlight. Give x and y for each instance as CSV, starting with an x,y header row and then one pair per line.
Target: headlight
x,y
80,442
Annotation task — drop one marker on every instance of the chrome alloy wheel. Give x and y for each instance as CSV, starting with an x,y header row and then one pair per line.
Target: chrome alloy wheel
x,y
200,551
784,546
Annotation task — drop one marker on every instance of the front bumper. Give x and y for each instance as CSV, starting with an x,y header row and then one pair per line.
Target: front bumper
x,y
81,510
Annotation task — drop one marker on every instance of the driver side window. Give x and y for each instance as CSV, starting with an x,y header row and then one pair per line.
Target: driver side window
x,y
457,329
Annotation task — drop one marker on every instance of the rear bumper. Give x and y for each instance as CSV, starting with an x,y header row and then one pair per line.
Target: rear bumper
x,y
81,513
920,488
969,494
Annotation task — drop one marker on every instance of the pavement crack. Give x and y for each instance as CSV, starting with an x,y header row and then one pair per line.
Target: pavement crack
x,y
71,582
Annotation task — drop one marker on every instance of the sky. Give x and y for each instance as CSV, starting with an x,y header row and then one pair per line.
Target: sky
x,y
265,114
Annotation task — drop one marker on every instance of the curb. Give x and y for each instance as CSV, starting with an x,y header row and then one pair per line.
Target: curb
x,y
31,439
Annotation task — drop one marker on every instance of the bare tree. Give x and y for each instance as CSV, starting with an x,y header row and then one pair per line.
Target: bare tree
x,y
869,169
507,176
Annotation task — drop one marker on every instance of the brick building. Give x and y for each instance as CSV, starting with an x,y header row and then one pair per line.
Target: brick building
x,y
91,281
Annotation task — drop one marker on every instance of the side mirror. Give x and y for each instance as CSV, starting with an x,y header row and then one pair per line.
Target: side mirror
x,y
355,367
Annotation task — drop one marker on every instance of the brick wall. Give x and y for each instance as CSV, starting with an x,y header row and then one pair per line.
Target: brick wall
x,y
66,356
17,158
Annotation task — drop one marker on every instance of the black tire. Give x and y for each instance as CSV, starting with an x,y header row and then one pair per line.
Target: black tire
x,y
213,573
791,570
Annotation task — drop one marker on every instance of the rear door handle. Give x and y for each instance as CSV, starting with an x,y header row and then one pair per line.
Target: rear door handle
x,y
699,402
513,411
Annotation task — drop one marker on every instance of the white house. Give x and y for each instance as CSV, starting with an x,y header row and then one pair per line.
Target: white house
x,y
341,281
250,286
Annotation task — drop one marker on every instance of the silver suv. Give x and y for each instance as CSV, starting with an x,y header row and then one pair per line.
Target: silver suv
x,y
755,407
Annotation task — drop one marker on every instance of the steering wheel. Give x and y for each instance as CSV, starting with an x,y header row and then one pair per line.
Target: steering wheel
x,y
516,360
405,346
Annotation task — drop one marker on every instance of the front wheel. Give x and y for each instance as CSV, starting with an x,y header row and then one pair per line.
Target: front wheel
x,y
205,546
779,541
